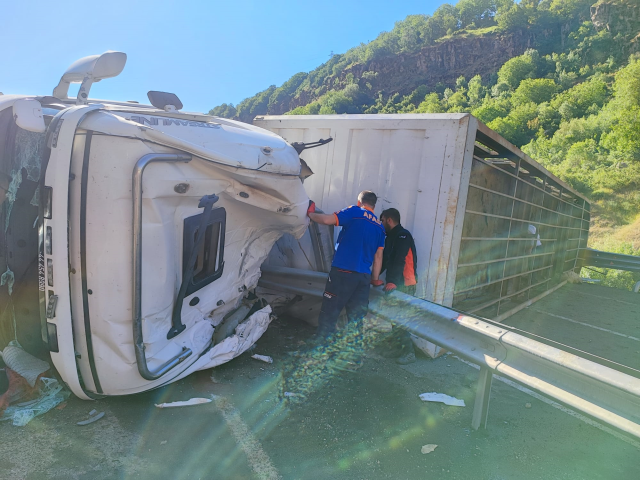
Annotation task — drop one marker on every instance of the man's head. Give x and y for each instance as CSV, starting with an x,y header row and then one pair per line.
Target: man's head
x,y
390,218
367,198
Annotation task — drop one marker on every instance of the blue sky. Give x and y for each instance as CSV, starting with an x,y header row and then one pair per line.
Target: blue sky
x,y
207,52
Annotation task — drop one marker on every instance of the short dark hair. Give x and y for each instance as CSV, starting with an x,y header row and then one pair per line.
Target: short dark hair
x,y
391,214
367,197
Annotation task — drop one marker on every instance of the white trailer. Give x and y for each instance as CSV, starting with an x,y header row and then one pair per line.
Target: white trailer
x,y
494,229
138,229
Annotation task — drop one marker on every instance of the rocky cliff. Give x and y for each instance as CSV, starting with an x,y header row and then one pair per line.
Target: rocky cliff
x,y
441,63
619,17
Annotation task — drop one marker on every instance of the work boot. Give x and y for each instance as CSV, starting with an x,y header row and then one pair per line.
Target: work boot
x,y
406,359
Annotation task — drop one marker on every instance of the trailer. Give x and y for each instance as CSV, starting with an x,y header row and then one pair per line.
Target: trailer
x,y
494,229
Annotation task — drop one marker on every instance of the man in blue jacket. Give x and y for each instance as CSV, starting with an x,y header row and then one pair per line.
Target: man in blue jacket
x,y
356,263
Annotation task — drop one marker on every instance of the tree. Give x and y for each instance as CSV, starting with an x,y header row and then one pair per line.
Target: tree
x,y
518,127
536,90
476,91
444,21
501,90
285,92
461,83
517,69
576,101
478,13
224,111
626,87
491,109
511,16
623,140
431,104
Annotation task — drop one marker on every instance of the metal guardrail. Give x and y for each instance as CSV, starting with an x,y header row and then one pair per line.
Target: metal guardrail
x,y
617,261
601,392
293,280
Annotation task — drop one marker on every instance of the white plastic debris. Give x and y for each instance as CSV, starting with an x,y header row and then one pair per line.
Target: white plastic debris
x,y
92,418
264,358
441,397
428,448
290,394
192,401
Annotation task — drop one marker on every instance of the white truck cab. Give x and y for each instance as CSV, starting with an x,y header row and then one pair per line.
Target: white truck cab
x,y
139,230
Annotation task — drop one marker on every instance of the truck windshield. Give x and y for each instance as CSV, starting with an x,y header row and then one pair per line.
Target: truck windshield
x,y
21,154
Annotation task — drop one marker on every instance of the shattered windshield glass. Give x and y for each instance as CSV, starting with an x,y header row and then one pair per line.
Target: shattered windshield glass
x,y
21,155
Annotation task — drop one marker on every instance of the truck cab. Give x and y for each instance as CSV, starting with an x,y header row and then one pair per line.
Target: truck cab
x,y
132,235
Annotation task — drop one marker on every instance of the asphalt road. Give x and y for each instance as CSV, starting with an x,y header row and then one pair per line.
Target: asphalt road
x,y
362,424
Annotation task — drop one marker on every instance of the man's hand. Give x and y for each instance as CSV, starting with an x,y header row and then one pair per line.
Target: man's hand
x,y
377,283
312,207
389,287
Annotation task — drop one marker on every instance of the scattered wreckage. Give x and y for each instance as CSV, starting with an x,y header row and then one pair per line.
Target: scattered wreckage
x,y
132,236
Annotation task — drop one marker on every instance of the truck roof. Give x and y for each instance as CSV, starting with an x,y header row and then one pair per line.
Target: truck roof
x,y
224,141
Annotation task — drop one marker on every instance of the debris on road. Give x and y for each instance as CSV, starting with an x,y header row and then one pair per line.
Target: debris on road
x,y
527,405
264,358
24,364
441,397
187,403
571,277
93,417
28,394
428,448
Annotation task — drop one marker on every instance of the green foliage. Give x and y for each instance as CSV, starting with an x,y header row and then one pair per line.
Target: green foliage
x,y
519,125
627,84
623,140
534,90
609,277
476,91
224,110
286,90
431,104
517,69
492,109
511,16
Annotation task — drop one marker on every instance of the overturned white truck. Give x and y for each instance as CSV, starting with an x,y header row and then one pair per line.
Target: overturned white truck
x,y
138,230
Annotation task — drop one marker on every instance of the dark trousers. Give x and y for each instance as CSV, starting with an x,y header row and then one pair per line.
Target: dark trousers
x,y
402,337
344,289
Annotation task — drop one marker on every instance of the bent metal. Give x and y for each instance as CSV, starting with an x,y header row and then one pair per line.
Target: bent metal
x,y
171,121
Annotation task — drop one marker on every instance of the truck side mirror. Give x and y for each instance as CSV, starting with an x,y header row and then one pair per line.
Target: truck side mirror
x,y
27,113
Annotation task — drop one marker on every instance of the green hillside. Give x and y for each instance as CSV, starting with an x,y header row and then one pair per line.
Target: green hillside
x,y
571,100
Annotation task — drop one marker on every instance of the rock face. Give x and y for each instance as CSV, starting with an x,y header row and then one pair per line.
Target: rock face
x,y
440,63
616,16
619,17
443,63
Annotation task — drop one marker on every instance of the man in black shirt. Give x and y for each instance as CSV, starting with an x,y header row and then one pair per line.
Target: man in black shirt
x,y
399,260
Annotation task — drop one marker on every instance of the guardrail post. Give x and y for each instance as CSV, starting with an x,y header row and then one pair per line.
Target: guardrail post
x,y
481,406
